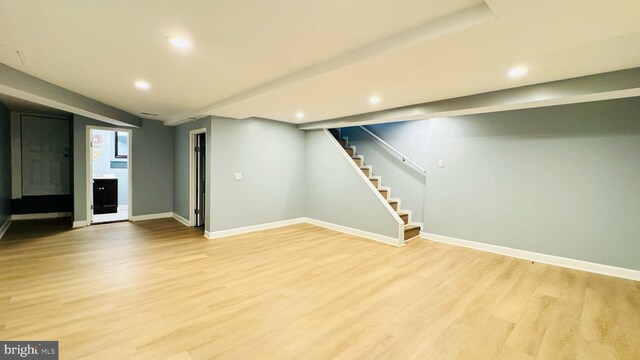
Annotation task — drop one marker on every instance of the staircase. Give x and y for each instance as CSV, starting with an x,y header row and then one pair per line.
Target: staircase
x,y
411,231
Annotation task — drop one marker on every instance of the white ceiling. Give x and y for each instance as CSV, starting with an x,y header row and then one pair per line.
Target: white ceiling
x,y
99,48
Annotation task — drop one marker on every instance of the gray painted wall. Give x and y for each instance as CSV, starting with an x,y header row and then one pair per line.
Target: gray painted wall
x,y
271,157
276,162
406,183
560,180
151,167
337,194
403,136
5,165
181,166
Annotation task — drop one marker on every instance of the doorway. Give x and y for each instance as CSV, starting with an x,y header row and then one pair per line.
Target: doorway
x,y
109,175
41,157
197,187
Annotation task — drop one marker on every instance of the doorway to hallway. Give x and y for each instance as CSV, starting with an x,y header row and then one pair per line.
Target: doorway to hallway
x,y
109,190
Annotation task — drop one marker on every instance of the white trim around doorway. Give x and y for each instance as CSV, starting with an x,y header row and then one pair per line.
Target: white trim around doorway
x,y
89,173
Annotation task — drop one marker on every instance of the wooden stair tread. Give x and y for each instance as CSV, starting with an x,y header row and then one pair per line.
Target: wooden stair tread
x,y
404,216
411,232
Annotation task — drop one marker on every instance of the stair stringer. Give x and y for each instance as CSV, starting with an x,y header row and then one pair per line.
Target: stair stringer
x,y
378,178
366,180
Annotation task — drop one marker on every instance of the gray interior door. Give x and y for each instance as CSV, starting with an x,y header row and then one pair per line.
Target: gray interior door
x,y
45,156
200,167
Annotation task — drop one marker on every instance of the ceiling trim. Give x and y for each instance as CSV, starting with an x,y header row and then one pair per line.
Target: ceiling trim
x,y
24,86
447,24
605,86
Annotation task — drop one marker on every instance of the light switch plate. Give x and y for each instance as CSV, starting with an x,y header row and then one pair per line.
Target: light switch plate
x,y
237,176
441,163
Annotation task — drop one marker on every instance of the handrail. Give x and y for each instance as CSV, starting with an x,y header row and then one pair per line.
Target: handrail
x,y
403,157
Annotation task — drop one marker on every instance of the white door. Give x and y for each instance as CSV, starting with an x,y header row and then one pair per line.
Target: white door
x,y
45,156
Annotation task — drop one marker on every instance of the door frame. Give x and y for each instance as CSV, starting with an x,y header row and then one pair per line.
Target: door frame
x,y
192,175
89,167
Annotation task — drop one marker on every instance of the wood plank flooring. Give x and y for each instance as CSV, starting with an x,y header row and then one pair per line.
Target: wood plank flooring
x,y
159,290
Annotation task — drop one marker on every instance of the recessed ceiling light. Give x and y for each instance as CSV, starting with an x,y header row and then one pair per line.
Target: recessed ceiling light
x,y
142,85
517,72
374,100
300,116
180,42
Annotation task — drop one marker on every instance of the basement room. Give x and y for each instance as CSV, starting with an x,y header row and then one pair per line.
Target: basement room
x,y
294,179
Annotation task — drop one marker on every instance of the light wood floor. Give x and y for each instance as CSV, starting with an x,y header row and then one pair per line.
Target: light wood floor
x,y
157,289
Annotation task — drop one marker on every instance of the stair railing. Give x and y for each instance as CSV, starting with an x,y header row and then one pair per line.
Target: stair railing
x,y
400,155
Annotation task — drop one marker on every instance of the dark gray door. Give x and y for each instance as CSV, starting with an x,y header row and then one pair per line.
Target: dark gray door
x,y
200,166
45,156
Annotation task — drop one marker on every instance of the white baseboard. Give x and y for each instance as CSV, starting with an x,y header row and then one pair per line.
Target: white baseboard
x,y
152,216
83,223
50,215
79,224
351,231
5,227
182,220
347,230
538,257
252,228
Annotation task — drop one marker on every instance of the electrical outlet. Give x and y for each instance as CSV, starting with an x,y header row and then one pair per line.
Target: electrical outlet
x,y
237,176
